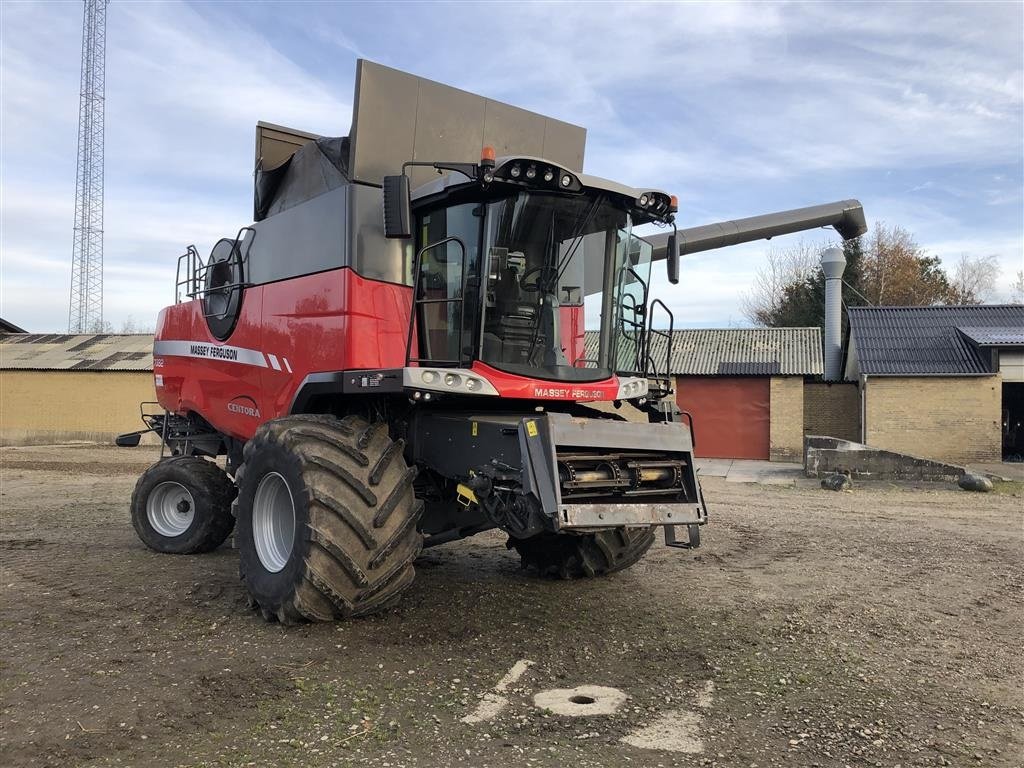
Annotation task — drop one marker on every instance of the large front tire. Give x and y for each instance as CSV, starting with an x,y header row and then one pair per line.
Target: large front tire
x,y
327,519
182,506
573,556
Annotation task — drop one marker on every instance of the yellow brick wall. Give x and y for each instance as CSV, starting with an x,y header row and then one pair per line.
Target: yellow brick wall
x,y
42,407
832,409
954,419
786,418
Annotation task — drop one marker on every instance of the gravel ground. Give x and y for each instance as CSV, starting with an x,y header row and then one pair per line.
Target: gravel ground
x,y
875,628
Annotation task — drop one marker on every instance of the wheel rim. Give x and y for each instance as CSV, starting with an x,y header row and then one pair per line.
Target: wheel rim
x,y
170,509
273,522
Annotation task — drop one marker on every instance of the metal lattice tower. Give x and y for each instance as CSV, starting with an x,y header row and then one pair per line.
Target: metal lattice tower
x,y
86,312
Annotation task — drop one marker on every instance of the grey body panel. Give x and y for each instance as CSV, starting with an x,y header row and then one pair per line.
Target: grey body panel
x,y
672,439
371,254
397,117
340,228
585,516
307,238
573,431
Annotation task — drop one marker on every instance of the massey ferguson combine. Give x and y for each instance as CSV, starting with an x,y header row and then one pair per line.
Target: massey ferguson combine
x,y
387,368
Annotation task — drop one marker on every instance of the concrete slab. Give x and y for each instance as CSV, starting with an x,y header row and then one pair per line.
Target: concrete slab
x,y
751,471
582,701
1012,471
713,467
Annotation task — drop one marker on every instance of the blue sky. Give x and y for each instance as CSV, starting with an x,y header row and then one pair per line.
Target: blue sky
x,y
916,109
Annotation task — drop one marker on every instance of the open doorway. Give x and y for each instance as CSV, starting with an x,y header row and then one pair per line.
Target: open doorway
x,y
1013,421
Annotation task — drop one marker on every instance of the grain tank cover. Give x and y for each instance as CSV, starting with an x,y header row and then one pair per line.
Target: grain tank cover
x,y
397,117
316,167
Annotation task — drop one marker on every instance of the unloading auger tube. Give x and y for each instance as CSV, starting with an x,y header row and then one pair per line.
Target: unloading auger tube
x,y
846,216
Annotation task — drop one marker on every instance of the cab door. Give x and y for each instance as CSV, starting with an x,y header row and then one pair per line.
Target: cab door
x,y
448,285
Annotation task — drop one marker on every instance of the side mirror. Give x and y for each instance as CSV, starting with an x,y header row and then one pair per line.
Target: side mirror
x,y
397,208
672,259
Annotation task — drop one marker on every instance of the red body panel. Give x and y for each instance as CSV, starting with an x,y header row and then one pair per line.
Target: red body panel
x,y
325,322
510,385
571,324
330,321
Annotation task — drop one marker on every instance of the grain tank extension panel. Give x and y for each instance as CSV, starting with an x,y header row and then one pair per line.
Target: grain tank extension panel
x,y
397,117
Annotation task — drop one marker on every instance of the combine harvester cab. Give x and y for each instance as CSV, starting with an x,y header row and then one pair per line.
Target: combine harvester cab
x,y
381,383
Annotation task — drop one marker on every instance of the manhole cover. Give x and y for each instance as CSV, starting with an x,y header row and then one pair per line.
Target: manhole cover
x,y
582,701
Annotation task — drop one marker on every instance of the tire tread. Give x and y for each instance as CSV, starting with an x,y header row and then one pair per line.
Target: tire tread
x,y
362,517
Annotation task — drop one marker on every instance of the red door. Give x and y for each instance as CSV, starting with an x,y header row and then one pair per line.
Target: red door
x,y
730,415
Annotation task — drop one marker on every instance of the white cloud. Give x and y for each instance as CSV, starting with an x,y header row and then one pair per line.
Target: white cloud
x,y
738,108
183,96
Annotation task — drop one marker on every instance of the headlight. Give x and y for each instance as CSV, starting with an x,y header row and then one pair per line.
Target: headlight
x,y
516,170
452,379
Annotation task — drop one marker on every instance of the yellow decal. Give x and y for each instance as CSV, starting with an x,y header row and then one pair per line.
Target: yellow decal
x,y
531,428
465,495
474,429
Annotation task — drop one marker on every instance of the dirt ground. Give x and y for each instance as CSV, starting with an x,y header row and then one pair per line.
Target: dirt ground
x,y
880,627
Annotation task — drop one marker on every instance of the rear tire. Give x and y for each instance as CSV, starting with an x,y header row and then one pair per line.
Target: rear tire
x,y
573,556
327,519
182,506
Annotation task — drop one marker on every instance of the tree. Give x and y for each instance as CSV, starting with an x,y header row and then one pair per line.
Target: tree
x,y
784,268
885,267
974,279
1017,288
790,291
130,326
896,271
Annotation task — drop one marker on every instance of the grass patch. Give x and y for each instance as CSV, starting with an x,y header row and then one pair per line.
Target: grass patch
x,y
1008,487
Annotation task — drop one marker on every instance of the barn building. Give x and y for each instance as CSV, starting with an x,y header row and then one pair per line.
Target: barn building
x,y
943,382
57,388
745,388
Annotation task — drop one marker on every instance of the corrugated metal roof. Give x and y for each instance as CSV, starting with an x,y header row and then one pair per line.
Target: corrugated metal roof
x,y
994,336
919,341
736,351
78,352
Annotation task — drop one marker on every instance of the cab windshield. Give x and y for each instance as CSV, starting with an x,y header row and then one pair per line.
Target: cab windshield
x,y
530,272
543,251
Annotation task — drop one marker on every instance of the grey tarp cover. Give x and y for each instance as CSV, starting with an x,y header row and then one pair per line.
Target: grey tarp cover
x,y
315,168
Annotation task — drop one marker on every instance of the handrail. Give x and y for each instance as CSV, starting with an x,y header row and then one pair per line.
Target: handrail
x,y
640,341
653,372
196,269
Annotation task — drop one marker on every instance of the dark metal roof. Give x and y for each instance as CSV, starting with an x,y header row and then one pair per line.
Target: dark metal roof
x,y
929,341
736,351
78,352
994,336
6,326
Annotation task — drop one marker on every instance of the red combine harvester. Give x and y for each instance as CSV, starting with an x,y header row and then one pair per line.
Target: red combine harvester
x,y
382,383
